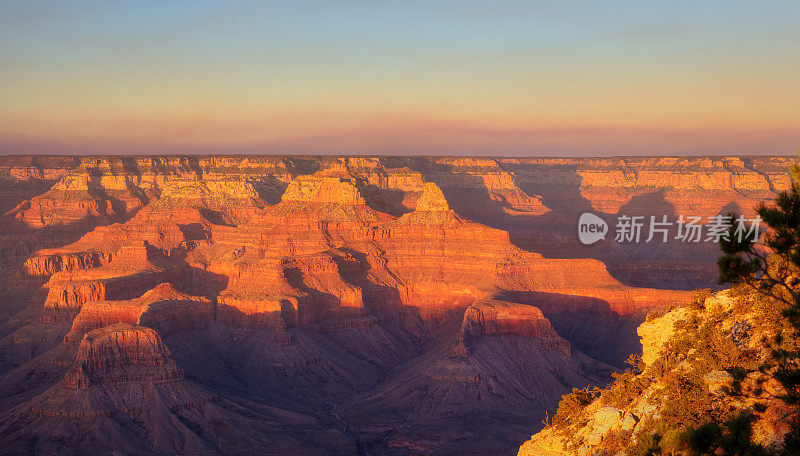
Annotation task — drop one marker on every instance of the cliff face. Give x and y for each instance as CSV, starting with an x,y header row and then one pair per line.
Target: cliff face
x,y
349,296
162,308
536,200
498,370
125,394
498,317
701,363
120,353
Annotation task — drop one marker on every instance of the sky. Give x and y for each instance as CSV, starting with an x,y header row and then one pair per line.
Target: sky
x,y
506,78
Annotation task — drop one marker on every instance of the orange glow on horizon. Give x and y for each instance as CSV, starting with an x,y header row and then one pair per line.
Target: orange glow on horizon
x,y
334,78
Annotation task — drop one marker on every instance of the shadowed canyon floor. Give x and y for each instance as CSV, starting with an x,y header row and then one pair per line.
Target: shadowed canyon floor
x,y
326,305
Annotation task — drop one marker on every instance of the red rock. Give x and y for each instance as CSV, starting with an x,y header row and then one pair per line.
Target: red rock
x,y
134,268
432,199
162,308
492,317
121,353
48,262
373,291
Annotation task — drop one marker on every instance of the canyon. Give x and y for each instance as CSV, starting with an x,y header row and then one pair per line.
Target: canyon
x,y
332,305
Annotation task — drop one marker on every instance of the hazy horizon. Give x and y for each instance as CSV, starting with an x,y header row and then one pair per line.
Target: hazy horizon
x,y
422,78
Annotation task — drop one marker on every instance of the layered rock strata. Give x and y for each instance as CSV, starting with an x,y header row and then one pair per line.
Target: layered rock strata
x,y
395,303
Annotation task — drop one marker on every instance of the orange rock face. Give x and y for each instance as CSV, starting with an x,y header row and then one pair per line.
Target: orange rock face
x,y
399,301
493,317
120,353
162,308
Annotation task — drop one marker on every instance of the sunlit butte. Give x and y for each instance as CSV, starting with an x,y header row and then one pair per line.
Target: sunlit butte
x,y
494,78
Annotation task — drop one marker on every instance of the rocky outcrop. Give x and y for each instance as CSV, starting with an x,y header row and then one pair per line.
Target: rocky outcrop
x,y
432,199
324,190
121,352
493,318
79,199
162,308
125,390
686,379
228,201
50,261
503,354
134,268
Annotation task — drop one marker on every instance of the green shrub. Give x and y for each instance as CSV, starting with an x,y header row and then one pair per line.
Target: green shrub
x,y
626,388
571,406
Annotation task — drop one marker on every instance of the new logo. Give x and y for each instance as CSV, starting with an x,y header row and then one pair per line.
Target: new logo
x,y
591,228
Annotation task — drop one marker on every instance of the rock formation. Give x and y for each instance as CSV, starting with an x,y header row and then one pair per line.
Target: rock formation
x,y
684,381
124,394
121,352
394,304
493,318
